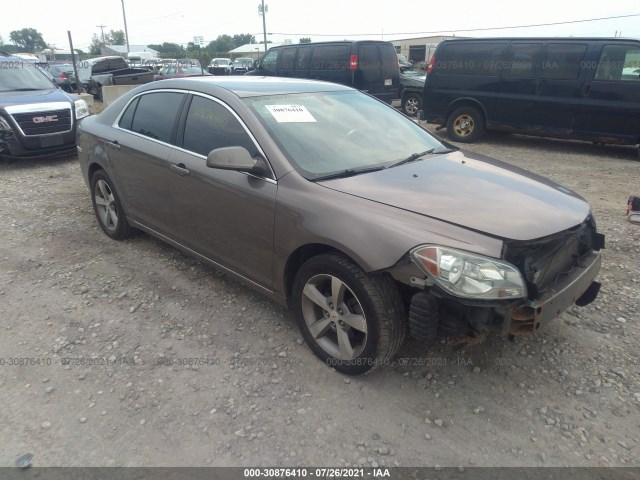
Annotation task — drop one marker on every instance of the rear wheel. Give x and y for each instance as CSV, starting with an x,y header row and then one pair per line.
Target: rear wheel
x,y
352,321
465,124
107,207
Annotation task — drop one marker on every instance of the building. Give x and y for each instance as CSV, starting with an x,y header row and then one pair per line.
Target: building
x,y
121,50
419,49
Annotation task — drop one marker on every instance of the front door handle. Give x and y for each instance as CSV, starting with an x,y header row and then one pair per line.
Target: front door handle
x,y
585,90
179,169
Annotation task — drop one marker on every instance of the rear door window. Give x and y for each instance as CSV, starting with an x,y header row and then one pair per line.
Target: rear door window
x,y
562,61
368,57
156,115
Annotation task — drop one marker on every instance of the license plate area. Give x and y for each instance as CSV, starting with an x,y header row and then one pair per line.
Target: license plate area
x,y
51,141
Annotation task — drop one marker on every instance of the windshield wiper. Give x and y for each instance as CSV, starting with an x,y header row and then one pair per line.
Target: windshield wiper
x,y
415,156
25,89
349,172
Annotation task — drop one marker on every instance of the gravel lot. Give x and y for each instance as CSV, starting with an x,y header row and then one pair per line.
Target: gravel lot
x,y
128,313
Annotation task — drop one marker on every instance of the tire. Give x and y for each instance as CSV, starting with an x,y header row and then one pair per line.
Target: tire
x,y
465,125
371,304
424,316
411,103
108,209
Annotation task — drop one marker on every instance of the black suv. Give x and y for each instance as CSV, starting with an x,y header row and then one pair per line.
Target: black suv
x,y
368,65
36,117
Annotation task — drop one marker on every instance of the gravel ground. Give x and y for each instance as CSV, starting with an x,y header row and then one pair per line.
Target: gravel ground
x,y
130,315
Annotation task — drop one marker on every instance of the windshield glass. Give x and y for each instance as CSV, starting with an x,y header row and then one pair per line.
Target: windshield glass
x,y
220,62
19,75
329,132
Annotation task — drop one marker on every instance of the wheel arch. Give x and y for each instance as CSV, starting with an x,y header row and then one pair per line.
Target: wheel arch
x,y
303,253
466,102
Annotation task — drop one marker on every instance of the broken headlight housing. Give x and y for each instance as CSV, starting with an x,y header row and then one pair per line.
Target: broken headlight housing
x,y
82,109
468,275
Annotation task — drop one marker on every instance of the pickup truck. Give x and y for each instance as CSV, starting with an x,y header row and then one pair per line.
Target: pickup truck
x,y
102,71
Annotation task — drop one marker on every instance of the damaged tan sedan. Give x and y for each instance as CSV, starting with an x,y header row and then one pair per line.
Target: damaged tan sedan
x,y
331,202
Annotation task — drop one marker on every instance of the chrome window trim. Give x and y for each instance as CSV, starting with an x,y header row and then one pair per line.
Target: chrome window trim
x,y
197,155
38,107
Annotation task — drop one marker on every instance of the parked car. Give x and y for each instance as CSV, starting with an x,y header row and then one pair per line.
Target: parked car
x,y
178,70
112,70
367,229
556,87
403,63
242,65
220,66
63,76
370,66
36,117
411,88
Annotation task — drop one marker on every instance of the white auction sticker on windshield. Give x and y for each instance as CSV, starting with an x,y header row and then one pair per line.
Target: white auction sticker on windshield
x,y
290,113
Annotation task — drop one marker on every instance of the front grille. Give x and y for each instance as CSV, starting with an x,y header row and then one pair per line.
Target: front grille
x,y
545,261
44,122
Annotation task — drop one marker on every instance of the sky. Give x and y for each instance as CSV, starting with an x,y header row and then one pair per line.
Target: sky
x,y
157,21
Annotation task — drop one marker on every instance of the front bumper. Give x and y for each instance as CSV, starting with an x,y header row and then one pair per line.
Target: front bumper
x,y
11,147
530,316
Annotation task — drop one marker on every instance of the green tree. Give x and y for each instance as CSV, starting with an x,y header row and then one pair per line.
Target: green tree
x,y
29,39
115,37
305,40
96,44
243,39
222,44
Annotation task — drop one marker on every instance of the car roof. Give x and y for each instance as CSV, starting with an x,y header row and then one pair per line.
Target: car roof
x,y
251,86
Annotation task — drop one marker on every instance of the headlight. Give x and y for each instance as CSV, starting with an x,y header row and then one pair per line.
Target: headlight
x,y
468,275
4,126
82,109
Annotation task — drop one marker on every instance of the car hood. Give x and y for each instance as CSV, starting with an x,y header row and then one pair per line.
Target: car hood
x,y
474,192
35,96
412,80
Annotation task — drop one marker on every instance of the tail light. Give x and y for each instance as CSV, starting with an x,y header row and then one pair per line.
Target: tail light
x,y
62,75
431,63
353,63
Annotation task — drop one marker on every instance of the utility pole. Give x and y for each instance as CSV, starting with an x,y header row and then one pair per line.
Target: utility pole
x,y
101,27
262,10
126,32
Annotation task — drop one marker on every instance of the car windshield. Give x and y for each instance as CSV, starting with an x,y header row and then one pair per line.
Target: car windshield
x,y
22,76
329,132
243,62
220,62
190,70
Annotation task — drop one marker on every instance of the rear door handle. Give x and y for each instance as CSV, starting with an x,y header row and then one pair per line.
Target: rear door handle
x,y
179,169
114,144
585,90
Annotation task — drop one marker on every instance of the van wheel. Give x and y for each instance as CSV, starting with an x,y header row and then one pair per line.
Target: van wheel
x,y
465,125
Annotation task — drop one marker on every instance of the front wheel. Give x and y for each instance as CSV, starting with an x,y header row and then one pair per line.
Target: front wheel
x,y
411,103
465,125
352,321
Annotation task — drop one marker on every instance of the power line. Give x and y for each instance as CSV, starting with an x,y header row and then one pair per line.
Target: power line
x,y
459,30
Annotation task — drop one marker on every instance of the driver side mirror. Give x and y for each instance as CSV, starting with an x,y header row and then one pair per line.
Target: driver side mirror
x,y
231,158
